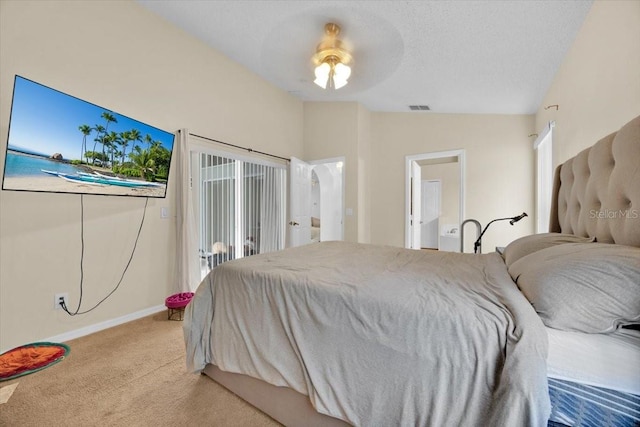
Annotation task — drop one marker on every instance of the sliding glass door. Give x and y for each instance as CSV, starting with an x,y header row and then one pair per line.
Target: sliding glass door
x,y
241,206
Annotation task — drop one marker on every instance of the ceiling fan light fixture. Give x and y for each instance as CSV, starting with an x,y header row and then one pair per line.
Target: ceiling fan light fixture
x,y
322,73
342,71
331,60
337,83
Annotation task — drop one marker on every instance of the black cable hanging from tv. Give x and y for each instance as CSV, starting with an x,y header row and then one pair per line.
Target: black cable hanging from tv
x,y
133,251
250,150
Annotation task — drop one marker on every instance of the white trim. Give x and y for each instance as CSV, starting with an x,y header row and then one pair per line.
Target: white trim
x,y
87,330
460,154
543,134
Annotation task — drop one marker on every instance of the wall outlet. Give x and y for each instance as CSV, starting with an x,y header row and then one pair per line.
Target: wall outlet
x,y
60,297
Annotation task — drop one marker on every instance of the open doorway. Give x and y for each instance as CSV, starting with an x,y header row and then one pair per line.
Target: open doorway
x,y
447,167
316,201
330,221
430,212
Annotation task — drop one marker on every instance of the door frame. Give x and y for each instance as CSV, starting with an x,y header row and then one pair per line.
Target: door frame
x,y
410,162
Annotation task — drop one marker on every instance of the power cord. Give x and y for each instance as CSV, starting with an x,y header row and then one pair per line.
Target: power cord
x,y
77,311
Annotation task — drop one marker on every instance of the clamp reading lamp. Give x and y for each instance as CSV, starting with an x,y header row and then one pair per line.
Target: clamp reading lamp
x,y
512,220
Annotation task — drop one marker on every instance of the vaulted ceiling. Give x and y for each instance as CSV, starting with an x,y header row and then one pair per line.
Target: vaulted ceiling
x,y
480,56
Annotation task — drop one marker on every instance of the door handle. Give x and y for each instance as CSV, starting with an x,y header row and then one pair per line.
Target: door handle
x,y
293,223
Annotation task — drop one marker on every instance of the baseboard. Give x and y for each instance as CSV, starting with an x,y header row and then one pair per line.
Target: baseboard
x,y
71,335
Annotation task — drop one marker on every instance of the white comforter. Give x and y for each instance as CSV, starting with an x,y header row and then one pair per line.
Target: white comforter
x,y
376,335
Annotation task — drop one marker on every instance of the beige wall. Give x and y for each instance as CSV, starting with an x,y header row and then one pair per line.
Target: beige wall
x,y
499,169
597,87
333,129
122,57
364,174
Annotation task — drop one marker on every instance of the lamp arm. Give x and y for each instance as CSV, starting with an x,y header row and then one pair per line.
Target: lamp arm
x,y
477,243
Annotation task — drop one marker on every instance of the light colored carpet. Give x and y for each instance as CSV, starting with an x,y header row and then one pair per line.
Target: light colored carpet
x,y
130,375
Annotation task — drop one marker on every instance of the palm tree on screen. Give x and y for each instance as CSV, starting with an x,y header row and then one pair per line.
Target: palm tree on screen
x,y
100,129
86,131
113,140
125,137
109,118
161,158
135,137
143,162
148,140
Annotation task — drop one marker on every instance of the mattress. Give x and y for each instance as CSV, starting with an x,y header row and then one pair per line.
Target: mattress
x,y
594,379
610,361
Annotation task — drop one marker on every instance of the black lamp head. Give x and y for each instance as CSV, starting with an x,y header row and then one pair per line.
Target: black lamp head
x,y
517,218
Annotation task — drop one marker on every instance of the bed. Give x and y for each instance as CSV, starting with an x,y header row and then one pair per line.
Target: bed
x,y
337,333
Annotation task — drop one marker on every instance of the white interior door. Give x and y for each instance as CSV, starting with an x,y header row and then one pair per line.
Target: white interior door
x,y
430,214
299,202
416,204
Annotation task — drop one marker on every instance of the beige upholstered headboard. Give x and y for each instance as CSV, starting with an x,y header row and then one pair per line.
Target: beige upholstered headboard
x,y
597,192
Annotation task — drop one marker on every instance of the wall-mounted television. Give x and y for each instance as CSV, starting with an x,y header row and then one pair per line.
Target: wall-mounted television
x,y
60,143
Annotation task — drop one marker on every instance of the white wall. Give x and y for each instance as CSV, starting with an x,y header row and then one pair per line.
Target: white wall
x,y
122,57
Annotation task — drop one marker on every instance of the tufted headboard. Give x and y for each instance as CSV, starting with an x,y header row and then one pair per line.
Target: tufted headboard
x,y
597,192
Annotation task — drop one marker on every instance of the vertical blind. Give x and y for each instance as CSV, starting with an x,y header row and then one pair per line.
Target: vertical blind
x,y
242,208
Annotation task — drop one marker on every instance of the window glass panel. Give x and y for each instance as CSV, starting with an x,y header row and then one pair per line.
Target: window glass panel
x,y
242,208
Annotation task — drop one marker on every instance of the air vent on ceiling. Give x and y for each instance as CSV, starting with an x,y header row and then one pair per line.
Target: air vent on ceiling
x,y
419,107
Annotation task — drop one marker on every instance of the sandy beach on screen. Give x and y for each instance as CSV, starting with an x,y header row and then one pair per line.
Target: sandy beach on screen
x,y
59,185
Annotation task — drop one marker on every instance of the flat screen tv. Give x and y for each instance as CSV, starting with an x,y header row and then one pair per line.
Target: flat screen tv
x,y
60,143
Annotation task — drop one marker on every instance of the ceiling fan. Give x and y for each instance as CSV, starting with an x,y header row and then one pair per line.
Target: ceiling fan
x,y
332,60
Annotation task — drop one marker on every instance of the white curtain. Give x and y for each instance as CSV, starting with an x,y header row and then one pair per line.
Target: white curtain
x,y
188,257
273,210
543,146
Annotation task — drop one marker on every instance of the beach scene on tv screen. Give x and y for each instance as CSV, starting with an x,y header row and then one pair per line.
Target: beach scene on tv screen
x,y
60,143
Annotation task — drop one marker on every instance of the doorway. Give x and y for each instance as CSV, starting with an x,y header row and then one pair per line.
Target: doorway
x,y
430,213
419,167
316,201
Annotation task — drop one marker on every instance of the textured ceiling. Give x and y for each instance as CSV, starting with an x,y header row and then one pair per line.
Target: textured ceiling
x,y
496,56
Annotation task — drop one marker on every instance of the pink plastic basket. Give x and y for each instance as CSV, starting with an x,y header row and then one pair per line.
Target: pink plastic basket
x,y
178,300
176,304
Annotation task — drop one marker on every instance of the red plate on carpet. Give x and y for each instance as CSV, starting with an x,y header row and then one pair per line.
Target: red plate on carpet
x,y
30,358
